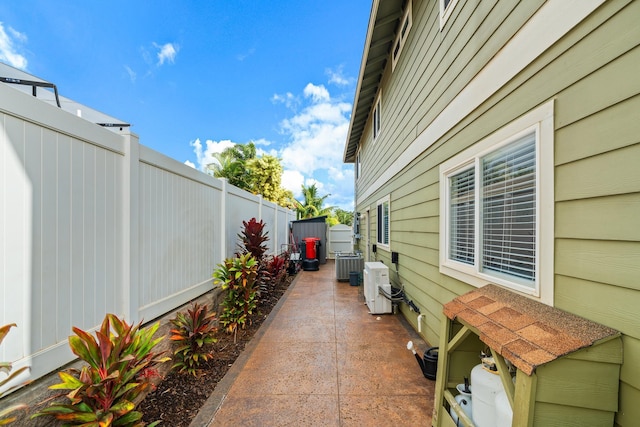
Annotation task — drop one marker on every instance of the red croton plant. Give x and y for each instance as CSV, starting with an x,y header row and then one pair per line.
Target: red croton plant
x,y
105,391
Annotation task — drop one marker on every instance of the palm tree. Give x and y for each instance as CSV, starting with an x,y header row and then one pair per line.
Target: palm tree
x,y
231,164
312,205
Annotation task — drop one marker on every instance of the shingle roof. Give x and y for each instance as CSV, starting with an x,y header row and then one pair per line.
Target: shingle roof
x,y
524,331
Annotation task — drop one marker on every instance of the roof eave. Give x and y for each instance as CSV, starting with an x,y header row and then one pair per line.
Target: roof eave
x,y
380,34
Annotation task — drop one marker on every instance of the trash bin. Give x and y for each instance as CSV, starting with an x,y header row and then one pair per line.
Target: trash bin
x,y
354,278
310,247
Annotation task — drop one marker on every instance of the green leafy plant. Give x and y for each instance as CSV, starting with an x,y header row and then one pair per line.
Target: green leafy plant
x,y
104,393
238,277
6,367
193,331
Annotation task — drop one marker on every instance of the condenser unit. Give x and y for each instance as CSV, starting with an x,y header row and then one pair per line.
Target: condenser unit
x,y
346,263
376,275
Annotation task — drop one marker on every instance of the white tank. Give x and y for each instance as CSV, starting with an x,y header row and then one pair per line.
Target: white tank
x,y
464,400
485,387
504,413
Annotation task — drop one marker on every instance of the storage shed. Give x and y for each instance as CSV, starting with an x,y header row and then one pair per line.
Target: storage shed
x,y
566,368
311,227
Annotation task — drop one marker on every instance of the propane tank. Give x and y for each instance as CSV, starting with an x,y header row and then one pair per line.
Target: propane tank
x,y
486,384
504,413
464,400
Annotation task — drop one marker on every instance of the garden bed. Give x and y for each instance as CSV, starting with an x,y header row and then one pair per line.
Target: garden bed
x,y
179,396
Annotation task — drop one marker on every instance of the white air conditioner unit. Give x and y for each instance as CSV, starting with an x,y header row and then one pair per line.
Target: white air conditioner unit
x,y
376,275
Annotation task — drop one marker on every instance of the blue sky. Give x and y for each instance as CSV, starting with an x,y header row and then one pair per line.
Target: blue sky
x,y
192,77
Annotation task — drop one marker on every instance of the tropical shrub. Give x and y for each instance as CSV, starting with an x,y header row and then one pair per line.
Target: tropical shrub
x,y
238,277
6,367
193,331
105,391
277,268
253,238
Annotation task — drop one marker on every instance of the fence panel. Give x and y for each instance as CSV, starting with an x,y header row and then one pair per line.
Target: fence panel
x,y
91,223
61,228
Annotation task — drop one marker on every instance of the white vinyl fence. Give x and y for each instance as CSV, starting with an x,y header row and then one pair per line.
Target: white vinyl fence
x,y
92,222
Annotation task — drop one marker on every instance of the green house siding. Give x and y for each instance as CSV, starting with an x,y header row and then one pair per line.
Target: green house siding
x,y
591,73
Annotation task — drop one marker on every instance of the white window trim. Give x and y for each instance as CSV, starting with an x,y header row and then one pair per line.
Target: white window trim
x,y
446,13
379,244
401,37
540,120
376,123
358,166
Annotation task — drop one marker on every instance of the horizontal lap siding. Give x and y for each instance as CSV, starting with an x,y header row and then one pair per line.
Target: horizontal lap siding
x,y
592,73
598,192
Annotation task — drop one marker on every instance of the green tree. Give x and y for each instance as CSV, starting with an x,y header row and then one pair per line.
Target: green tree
x,y
343,216
231,164
266,179
242,168
312,205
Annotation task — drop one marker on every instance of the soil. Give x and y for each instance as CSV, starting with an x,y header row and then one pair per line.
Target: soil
x,y
179,396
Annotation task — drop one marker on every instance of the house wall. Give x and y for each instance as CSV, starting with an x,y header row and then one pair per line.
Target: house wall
x,y
92,222
447,93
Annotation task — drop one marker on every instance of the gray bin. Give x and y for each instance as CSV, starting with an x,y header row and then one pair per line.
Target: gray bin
x,y
354,278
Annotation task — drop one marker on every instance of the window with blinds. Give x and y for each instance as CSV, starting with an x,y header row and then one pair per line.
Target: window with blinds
x,y
497,208
383,223
500,239
462,217
509,210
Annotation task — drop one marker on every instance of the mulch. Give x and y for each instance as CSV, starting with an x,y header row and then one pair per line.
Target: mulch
x,y
179,396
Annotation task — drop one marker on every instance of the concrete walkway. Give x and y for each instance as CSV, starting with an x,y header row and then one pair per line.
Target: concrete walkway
x,y
322,360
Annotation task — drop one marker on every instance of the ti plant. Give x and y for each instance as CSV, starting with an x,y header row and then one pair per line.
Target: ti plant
x,y
6,367
193,331
253,238
238,277
105,391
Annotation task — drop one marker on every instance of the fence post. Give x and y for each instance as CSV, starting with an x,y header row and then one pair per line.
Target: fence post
x,y
223,220
130,283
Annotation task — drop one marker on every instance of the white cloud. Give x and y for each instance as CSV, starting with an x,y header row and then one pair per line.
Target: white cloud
x,y
316,93
167,52
337,77
10,45
288,99
190,164
293,180
204,156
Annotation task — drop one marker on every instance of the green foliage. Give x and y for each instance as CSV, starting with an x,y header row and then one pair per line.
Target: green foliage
x,y
231,164
344,217
6,367
312,205
192,332
241,167
238,277
104,392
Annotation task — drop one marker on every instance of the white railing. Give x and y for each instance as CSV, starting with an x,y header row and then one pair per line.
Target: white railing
x,y
92,222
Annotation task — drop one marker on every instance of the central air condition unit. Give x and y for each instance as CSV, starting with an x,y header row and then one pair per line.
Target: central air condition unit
x,y
346,263
376,275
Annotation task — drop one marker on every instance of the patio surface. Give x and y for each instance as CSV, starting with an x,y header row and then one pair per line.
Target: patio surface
x,y
322,360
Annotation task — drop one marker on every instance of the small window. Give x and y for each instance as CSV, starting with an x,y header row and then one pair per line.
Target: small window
x,y
384,214
377,113
446,7
401,37
497,208
358,167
